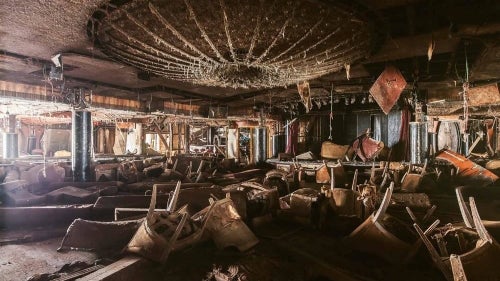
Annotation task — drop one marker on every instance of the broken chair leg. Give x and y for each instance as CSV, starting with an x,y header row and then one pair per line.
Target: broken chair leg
x,y
464,210
441,244
172,200
354,186
418,243
436,258
478,223
429,213
457,268
385,203
411,214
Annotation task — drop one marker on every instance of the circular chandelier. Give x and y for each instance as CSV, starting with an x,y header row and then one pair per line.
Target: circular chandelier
x,y
228,43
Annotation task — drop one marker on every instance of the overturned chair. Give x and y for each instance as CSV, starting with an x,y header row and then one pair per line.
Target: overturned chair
x,y
376,234
165,231
278,179
477,256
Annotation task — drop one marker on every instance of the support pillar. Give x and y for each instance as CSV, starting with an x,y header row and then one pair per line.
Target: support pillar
x,y
10,140
260,145
465,144
433,137
81,145
418,142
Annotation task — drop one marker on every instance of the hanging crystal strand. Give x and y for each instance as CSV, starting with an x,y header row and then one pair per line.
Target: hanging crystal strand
x,y
302,38
298,55
226,30
203,33
144,45
255,32
158,40
276,37
176,33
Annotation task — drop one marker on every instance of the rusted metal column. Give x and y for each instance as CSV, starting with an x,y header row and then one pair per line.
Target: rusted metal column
x,y
10,140
81,145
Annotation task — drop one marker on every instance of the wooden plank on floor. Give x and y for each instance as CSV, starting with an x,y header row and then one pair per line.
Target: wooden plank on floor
x,y
43,215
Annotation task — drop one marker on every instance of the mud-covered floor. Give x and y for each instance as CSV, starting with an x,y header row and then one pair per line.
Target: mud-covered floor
x,y
286,252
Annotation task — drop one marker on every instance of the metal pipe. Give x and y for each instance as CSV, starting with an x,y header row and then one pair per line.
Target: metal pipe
x,y
260,145
10,145
434,145
12,123
81,145
418,142
465,144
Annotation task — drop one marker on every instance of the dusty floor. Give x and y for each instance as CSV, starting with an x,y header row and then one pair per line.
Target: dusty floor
x,y
285,252
19,262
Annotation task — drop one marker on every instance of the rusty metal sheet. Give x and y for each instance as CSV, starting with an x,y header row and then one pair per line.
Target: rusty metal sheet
x,y
468,172
388,87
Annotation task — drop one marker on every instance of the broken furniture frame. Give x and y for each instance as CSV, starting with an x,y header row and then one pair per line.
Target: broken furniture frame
x,y
282,177
373,237
345,201
480,263
411,181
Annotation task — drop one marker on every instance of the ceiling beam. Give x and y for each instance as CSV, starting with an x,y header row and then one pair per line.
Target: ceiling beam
x,y
145,90
386,4
414,46
173,91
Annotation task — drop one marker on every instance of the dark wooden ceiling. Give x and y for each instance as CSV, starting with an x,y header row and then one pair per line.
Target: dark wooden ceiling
x,y
31,32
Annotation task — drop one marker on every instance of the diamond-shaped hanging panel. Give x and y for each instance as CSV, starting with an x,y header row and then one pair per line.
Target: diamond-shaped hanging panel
x,y
388,87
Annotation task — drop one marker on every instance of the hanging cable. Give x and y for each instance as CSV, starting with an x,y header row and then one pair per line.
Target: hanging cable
x,y
465,96
330,137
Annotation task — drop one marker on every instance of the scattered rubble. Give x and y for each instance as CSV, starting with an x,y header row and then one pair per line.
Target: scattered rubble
x,y
159,207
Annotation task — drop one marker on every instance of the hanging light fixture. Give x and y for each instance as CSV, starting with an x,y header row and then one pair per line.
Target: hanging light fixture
x,y
238,44
364,100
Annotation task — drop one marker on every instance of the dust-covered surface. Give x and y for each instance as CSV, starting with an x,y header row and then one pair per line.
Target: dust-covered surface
x,y
42,28
298,255
18,262
285,252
